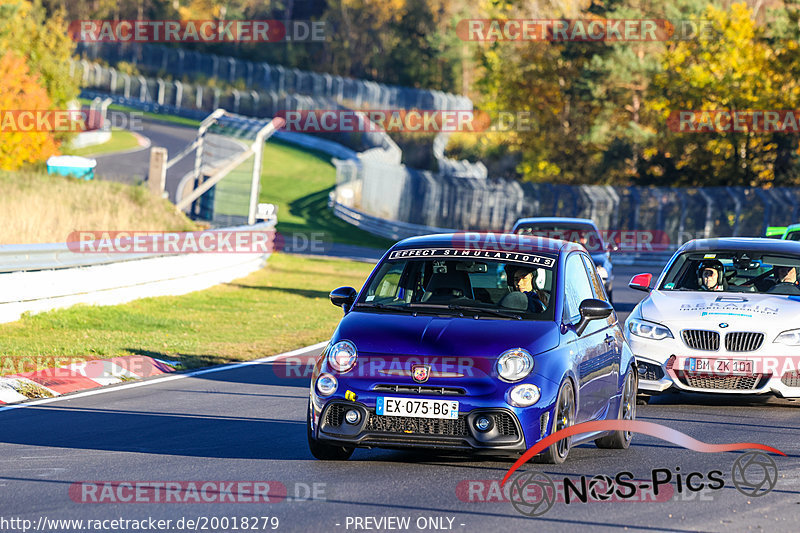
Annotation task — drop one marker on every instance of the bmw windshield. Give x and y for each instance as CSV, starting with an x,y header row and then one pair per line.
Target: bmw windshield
x,y
751,271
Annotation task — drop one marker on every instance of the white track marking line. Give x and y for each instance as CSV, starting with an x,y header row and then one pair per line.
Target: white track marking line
x,y
170,377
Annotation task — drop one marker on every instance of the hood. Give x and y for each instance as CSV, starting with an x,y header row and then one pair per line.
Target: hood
x,y
741,311
426,335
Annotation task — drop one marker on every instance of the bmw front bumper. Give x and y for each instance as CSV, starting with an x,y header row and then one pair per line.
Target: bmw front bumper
x,y
659,365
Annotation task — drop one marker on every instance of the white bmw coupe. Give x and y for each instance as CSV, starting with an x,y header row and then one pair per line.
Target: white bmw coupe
x,y
723,317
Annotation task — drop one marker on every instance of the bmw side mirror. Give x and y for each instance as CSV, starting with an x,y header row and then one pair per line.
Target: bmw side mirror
x,y
343,297
592,309
641,282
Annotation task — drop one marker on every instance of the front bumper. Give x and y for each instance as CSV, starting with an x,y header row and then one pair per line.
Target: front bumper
x,y
659,364
371,430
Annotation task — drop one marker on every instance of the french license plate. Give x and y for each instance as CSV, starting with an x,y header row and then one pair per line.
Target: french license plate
x,y
416,408
730,367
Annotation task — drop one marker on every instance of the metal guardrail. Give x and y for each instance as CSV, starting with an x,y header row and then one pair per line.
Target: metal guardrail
x,y
29,257
642,259
384,228
395,230
55,256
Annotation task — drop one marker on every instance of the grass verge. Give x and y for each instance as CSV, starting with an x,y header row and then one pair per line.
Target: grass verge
x,y
121,140
279,308
171,119
37,208
298,182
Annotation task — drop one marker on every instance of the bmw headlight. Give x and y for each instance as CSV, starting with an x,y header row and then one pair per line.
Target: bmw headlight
x,y
603,272
342,356
523,395
514,364
649,330
789,338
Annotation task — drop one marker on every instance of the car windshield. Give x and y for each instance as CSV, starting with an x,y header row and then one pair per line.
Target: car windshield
x,y
584,234
482,287
725,271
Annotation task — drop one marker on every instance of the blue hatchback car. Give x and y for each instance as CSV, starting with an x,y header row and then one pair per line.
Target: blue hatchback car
x,y
472,342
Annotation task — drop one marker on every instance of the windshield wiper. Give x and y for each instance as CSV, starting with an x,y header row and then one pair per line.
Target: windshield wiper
x,y
403,308
489,310
422,306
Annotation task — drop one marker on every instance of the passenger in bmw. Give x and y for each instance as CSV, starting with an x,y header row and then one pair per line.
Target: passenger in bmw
x,y
787,281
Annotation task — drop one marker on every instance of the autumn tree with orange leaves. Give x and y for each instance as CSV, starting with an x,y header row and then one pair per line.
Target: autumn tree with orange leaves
x,y
35,53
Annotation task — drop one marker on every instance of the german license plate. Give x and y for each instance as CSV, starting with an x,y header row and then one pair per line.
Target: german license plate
x,y
388,406
729,367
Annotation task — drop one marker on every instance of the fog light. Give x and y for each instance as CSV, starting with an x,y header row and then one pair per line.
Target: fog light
x,y
483,424
326,384
352,416
523,395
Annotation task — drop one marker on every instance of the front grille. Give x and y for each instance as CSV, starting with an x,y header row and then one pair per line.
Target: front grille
x,y
335,415
701,339
743,341
791,379
650,371
422,426
722,382
505,424
419,389
409,441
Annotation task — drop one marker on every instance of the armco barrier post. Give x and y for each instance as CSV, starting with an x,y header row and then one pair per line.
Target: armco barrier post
x,y
157,175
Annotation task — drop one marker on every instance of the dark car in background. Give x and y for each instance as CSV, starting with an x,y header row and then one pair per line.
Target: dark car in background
x,y
580,230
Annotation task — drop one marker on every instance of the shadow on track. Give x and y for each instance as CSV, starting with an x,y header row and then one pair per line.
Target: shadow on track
x,y
160,433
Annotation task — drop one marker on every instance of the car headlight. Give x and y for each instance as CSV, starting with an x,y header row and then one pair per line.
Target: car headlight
x,y
603,272
789,338
342,356
514,364
649,330
523,395
326,384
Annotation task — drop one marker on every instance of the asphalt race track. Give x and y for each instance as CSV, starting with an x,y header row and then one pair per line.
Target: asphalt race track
x,y
247,424
131,167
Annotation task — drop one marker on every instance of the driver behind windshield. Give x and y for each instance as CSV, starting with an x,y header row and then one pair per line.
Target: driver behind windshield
x,y
711,275
521,279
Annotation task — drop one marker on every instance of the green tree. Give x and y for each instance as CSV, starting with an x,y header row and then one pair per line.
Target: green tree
x,y
27,30
733,68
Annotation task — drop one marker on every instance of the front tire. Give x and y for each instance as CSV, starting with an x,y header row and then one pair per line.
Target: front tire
x,y
563,417
324,451
621,440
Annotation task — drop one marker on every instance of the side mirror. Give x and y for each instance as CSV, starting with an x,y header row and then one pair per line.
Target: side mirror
x,y
641,282
612,246
592,309
343,297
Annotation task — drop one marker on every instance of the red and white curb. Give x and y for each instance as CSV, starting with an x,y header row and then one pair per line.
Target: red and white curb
x,y
149,382
79,376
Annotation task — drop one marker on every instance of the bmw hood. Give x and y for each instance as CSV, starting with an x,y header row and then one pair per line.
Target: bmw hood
x,y
739,311
426,335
